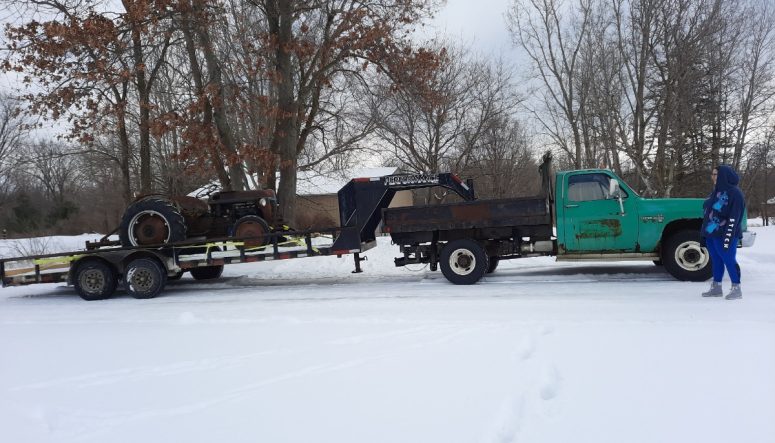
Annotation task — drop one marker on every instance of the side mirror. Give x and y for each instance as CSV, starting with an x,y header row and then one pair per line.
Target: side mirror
x,y
613,188
615,192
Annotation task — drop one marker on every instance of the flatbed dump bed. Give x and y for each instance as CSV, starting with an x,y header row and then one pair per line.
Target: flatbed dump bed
x,y
531,211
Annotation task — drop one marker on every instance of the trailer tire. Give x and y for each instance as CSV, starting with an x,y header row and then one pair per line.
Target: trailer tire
x,y
464,262
144,278
493,264
684,258
252,226
94,280
207,272
151,221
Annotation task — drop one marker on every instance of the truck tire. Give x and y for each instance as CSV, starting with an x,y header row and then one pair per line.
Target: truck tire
x,y
144,278
493,264
207,272
684,258
252,226
94,280
464,262
151,221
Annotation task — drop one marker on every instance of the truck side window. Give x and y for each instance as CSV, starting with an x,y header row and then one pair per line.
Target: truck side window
x,y
587,187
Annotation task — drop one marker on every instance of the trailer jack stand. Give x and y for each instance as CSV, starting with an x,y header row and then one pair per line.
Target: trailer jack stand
x,y
357,258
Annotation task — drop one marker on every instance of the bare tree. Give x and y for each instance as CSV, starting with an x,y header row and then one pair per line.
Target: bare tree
x,y
13,131
553,42
757,73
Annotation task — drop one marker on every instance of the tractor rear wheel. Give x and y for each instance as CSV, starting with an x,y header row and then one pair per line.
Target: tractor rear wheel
x,y
152,221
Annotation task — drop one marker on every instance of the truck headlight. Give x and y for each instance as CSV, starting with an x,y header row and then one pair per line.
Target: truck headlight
x,y
262,202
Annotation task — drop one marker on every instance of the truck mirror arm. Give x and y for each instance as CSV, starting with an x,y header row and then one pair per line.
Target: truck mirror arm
x,y
614,191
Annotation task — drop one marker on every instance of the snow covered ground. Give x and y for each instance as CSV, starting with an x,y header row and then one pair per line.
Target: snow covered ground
x,y
304,351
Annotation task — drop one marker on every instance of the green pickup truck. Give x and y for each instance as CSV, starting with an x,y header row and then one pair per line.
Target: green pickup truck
x,y
590,215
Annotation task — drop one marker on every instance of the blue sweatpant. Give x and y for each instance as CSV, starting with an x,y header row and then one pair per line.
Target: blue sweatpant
x,y
721,258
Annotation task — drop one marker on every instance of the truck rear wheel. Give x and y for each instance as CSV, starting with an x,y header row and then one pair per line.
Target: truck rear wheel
x,y
144,278
684,258
493,264
94,280
152,221
464,262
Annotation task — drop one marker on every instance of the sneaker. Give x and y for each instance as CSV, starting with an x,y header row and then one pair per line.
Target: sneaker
x,y
714,291
734,293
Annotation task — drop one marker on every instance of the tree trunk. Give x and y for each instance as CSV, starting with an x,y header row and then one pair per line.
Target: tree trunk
x,y
286,135
123,137
196,71
218,102
146,185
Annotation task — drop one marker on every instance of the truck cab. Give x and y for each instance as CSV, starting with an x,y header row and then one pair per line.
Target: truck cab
x,y
600,217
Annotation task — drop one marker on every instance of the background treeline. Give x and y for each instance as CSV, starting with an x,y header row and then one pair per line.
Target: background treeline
x,y
165,95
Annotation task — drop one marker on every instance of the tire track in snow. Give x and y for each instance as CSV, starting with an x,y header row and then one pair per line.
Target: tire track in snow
x,y
84,423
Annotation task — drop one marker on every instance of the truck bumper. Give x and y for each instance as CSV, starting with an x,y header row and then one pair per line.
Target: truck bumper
x,y
748,239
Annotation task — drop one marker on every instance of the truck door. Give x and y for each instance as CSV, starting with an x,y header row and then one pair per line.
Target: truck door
x,y
594,221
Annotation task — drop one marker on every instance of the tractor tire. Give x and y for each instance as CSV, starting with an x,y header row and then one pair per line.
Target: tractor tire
x,y
464,262
94,280
144,278
684,258
253,227
152,221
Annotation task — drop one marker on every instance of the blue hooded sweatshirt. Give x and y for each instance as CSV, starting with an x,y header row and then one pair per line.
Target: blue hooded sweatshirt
x,y
723,210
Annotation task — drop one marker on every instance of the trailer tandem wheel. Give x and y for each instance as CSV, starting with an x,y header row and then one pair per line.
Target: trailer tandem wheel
x,y
94,279
144,278
464,262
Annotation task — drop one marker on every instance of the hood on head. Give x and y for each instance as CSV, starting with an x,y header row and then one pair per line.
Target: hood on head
x,y
727,177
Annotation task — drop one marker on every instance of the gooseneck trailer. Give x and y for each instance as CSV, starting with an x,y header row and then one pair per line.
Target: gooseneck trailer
x,y
96,272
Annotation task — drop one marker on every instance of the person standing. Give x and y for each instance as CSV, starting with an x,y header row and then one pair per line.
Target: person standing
x,y
721,230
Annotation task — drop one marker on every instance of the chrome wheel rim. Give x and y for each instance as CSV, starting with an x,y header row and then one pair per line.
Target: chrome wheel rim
x,y
691,256
462,261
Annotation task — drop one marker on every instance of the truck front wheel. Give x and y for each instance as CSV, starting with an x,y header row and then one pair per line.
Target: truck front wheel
x,y
684,258
464,262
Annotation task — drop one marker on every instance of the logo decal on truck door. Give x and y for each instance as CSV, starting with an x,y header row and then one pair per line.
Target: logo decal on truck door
x,y
659,218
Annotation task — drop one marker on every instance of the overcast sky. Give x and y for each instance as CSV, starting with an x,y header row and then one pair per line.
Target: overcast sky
x,y
479,23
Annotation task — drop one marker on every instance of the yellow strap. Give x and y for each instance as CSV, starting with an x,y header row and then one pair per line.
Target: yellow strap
x,y
55,260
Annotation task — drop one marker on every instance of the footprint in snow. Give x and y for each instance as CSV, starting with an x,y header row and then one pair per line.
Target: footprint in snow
x,y
526,348
550,384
